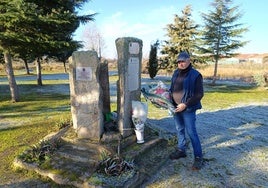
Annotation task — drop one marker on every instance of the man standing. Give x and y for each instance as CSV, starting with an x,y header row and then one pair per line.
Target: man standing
x,y
186,92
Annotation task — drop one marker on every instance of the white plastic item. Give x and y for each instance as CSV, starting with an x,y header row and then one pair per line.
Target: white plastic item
x,y
139,116
140,135
139,112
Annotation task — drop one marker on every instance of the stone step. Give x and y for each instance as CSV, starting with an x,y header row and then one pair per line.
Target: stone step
x,y
149,158
74,170
84,151
135,150
86,155
76,160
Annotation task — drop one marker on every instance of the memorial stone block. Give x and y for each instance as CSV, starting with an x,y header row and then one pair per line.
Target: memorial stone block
x,y
86,95
129,52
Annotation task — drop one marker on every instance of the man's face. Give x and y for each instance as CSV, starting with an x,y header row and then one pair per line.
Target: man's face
x,y
183,64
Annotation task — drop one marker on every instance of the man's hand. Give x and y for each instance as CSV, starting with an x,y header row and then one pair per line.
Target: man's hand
x,y
180,107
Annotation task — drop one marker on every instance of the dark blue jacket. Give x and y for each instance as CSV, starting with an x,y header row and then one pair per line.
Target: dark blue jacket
x,y
188,87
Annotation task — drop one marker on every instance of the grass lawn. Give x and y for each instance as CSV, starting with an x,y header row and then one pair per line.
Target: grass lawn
x,y
39,112
25,123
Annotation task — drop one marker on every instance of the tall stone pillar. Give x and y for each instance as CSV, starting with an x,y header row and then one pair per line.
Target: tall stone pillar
x,y
129,52
86,95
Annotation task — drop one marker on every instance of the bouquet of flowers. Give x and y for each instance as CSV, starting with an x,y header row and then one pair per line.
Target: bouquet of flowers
x,y
159,96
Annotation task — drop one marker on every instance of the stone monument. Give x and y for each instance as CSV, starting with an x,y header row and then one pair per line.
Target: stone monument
x,y
129,52
86,95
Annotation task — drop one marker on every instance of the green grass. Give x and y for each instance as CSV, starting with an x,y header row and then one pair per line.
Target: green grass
x,y
38,113
224,96
26,122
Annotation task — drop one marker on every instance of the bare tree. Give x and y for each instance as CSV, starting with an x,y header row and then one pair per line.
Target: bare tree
x,y
94,40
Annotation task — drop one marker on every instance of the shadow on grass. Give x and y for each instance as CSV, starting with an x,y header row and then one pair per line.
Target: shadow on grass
x,y
30,92
228,88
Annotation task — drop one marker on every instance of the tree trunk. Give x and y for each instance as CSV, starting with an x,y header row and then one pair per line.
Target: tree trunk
x,y
64,65
38,72
26,67
215,72
14,91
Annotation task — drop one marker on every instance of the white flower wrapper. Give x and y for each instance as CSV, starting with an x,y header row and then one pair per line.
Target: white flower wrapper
x,y
139,114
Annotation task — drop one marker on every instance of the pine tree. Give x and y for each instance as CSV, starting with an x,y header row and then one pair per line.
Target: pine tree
x,y
182,35
153,61
221,33
54,26
37,28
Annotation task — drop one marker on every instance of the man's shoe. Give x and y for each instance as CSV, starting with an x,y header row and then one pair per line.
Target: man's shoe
x,y
177,154
198,163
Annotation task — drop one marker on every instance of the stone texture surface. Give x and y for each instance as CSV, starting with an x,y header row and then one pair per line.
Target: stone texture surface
x,y
128,78
86,100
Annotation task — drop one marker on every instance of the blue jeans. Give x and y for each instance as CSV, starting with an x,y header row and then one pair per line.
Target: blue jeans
x,y
186,121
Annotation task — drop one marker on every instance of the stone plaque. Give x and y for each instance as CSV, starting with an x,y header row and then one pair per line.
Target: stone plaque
x,y
133,73
134,48
84,73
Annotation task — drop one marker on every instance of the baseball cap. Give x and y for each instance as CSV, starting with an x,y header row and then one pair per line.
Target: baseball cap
x,y
183,56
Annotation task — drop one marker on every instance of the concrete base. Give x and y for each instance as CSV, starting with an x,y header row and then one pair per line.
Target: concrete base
x,y
76,160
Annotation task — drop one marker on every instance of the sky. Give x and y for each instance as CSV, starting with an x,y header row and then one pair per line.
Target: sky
x,y
147,20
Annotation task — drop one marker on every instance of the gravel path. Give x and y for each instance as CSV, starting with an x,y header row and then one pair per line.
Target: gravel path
x,y
235,147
